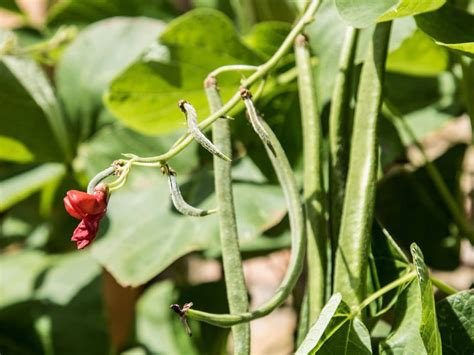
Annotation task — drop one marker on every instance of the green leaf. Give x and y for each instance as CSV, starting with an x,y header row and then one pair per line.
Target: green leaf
x,y
406,201
336,331
19,187
52,304
15,151
266,37
405,337
161,331
145,95
429,325
30,111
88,11
143,234
98,54
418,56
455,319
9,5
361,13
449,27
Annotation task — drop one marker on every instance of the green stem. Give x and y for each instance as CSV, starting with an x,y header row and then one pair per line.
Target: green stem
x,y
380,292
357,215
456,210
340,129
442,286
467,89
228,68
262,71
290,190
314,194
231,260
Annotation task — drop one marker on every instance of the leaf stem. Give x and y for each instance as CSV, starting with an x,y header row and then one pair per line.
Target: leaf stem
x,y
290,190
314,196
357,215
231,259
340,129
443,286
236,67
98,178
380,292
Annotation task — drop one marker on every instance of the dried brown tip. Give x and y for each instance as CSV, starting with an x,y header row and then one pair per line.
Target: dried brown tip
x,y
301,40
245,93
181,105
210,82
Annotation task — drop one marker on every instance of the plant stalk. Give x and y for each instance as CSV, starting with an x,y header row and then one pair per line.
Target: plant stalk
x,y
231,260
314,196
442,286
340,130
357,216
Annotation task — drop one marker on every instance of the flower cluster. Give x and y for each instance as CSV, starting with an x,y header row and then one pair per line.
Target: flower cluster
x,y
89,208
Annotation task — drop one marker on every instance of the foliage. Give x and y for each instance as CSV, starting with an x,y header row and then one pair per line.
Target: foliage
x,y
406,70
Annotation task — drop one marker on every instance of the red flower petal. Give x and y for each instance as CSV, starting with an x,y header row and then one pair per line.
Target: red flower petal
x,y
87,203
70,208
86,231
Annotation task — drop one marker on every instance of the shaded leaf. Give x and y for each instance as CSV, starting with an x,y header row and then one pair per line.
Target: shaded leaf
x,y
98,54
30,111
88,11
145,95
455,319
336,331
55,300
449,27
410,207
9,5
25,184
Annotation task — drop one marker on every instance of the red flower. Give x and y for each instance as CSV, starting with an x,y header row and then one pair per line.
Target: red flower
x,y
89,208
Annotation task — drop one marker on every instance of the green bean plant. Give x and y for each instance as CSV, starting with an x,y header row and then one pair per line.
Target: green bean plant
x,y
191,137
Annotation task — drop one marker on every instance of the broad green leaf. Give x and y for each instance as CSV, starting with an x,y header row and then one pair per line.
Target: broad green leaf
x,y
429,326
98,54
143,234
418,56
326,35
405,337
410,207
362,13
21,186
161,331
10,5
88,11
145,96
456,322
449,27
337,331
30,112
158,328
55,300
